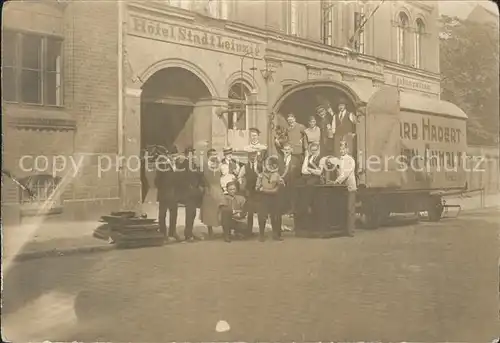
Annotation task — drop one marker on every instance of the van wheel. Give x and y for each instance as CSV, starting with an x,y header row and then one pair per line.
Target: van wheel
x,y
435,211
372,216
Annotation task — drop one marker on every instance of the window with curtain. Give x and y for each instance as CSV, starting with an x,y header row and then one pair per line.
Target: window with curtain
x,y
238,97
402,46
292,17
32,68
327,22
419,34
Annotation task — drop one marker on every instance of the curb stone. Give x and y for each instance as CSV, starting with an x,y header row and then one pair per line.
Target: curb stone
x,y
63,252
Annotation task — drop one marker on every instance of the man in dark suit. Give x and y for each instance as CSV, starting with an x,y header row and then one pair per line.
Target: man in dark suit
x,y
190,189
325,116
289,166
166,182
248,180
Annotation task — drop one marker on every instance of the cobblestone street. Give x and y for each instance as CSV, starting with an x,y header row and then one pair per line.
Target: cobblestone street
x,y
425,282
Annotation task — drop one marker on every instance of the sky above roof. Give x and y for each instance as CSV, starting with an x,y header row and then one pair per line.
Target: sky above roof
x,y
462,8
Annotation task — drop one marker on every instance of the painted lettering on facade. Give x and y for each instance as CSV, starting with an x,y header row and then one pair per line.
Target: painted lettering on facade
x,y
195,37
404,82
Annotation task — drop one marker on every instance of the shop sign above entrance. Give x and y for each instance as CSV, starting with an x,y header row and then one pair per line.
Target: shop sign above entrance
x,y
189,36
408,83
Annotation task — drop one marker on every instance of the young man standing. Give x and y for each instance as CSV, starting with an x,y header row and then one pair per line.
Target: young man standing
x,y
248,179
343,127
347,176
295,133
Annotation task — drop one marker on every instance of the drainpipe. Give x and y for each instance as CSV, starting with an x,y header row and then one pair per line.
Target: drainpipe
x,y
120,92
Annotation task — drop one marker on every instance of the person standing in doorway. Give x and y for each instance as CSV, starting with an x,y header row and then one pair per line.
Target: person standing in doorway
x,y
166,182
296,138
324,122
313,132
343,127
347,176
212,195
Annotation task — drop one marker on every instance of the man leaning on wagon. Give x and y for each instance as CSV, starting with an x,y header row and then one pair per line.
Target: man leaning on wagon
x,y
346,168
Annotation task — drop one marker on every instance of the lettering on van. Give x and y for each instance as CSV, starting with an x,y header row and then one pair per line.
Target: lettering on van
x,y
427,131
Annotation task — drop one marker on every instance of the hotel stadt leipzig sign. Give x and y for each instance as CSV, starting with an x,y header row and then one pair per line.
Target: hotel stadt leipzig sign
x,y
173,33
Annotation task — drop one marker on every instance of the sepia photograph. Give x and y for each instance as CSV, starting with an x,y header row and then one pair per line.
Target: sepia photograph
x,y
250,171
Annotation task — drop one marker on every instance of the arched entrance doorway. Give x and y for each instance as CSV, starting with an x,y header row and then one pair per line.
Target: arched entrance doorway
x,y
303,99
169,100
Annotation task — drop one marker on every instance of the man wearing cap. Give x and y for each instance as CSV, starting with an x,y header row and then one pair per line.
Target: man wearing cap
x,y
234,166
347,176
289,166
324,122
190,185
166,182
255,144
295,134
248,179
343,126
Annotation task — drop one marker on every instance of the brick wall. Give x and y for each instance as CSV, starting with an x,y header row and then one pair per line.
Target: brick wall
x,y
90,77
91,51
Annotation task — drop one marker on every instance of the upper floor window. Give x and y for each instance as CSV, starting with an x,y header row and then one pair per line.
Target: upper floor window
x,y
217,8
402,38
419,33
359,39
327,22
292,17
32,68
185,4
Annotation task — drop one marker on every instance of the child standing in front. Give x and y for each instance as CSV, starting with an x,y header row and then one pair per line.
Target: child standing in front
x,y
268,187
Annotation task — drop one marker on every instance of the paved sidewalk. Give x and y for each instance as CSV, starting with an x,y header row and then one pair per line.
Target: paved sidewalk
x,y
473,201
40,238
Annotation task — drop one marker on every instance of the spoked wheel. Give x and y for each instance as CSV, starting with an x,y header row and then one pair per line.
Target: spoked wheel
x,y
371,215
435,210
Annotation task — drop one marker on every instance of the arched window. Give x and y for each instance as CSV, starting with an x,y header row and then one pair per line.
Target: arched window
x,y
238,98
402,38
419,33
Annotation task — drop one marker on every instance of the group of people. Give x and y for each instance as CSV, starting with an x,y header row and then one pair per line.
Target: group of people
x,y
229,193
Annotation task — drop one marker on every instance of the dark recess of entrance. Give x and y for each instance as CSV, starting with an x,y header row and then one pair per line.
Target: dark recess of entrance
x,y
303,103
167,102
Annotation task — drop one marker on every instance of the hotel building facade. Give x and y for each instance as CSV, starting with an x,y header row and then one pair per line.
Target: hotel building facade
x,y
87,85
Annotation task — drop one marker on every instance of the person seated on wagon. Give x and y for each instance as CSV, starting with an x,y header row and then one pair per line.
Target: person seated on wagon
x,y
313,165
233,212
